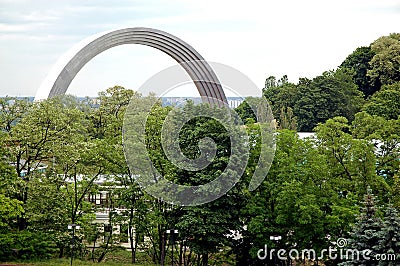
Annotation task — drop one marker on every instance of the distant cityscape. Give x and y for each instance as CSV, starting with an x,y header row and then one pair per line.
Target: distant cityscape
x,y
233,102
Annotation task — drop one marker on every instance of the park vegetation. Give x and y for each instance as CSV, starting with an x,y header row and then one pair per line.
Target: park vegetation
x,y
343,183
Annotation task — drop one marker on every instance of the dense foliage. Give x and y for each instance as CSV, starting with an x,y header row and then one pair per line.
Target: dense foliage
x,y
57,156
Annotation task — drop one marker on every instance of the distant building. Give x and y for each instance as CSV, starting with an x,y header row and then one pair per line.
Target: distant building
x,y
233,102
38,168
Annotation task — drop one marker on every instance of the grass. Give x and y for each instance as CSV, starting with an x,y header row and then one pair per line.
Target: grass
x,y
113,258
76,262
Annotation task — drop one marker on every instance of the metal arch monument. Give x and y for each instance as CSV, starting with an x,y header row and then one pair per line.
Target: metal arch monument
x,y
62,74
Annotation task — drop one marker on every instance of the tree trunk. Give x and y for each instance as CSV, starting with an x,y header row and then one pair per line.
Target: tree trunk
x,y
61,254
180,253
205,259
94,247
22,224
136,244
133,245
162,251
105,250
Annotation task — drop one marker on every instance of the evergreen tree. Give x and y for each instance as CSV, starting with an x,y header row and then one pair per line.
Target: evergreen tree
x,y
287,120
389,243
365,234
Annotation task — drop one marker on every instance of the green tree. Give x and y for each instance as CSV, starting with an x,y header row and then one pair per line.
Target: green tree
x,y
298,200
46,210
12,110
154,213
389,237
351,161
282,96
245,112
203,229
107,122
107,119
32,142
287,120
207,225
331,94
365,233
385,64
383,134
395,191
358,62
385,102
10,209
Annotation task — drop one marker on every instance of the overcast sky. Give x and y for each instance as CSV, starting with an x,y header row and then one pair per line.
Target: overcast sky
x,y
299,38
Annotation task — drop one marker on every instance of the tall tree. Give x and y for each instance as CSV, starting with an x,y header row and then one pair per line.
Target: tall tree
x,y
46,210
298,200
287,120
207,225
385,102
358,62
365,234
12,110
383,135
331,94
352,161
389,242
33,141
282,96
385,64
9,209
142,130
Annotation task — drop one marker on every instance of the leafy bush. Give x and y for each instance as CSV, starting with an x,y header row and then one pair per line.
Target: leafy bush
x,y
26,245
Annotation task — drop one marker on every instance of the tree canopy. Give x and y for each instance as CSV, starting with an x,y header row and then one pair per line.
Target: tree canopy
x,y
62,162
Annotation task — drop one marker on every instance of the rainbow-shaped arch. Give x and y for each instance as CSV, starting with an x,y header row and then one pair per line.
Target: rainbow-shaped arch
x,y
61,76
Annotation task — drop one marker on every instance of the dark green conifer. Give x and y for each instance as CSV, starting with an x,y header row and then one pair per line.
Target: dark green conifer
x,y
365,235
389,244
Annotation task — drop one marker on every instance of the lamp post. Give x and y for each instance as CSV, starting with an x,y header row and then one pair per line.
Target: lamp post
x,y
173,232
73,227
275,238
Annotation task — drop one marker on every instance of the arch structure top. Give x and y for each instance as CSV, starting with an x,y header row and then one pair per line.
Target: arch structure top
x,y
62,74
